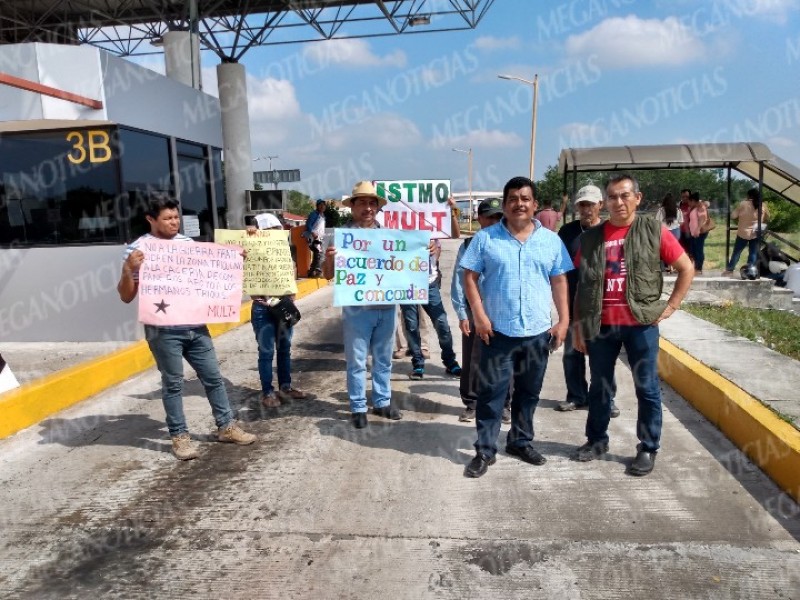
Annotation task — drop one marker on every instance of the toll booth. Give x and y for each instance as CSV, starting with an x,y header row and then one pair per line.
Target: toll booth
x,y
86,140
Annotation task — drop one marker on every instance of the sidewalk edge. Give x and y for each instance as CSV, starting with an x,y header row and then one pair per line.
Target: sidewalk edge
x,y
769,442
39,399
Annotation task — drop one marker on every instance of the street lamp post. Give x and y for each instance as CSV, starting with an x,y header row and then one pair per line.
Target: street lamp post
x,y
469,180
269,158
535,84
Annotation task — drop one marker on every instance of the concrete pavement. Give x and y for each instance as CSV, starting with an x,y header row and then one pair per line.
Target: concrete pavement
x,y
95,504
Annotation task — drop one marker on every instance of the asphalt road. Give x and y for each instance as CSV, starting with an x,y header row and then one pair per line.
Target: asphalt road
x,y
94,504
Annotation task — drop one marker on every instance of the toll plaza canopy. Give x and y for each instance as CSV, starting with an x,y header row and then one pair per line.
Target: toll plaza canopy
x,y
227,27
751,159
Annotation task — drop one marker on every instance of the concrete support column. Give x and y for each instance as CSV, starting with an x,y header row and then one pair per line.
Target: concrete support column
x,y
235,140
182,57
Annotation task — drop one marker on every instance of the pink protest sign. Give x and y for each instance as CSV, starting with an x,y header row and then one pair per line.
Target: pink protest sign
x,y
189,283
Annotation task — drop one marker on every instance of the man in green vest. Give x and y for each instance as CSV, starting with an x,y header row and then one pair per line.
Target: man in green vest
x,y
618,304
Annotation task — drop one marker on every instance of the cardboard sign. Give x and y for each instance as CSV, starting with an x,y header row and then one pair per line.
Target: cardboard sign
x,y
416,206
379,266
184,283
268,268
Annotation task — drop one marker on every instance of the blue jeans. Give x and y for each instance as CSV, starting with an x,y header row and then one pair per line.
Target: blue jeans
x,y
738,246
169,348
574,363
368,330
523,359
698,247
435,310
641,345
268,332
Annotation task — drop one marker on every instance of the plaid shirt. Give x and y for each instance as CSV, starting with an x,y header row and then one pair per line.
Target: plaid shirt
x,y
515,287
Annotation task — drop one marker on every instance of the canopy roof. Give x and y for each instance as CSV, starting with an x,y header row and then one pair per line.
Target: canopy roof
x,y
746,158
228,27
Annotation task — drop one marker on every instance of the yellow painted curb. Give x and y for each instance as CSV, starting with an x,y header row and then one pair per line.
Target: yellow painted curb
x,y
769,442
37,400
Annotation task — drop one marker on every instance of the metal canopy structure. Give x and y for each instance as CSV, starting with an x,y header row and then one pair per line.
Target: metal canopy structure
x,y
754,160
751,159
227,27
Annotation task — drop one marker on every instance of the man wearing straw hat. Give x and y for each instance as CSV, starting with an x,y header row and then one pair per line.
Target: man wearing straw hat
x,y
366,328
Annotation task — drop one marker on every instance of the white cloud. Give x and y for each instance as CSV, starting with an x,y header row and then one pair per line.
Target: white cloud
x,y
271,99
775,10
480,138
622,42
351,53
490,43
383,131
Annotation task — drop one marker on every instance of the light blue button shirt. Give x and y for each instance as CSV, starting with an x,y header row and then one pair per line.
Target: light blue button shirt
x,y
515,283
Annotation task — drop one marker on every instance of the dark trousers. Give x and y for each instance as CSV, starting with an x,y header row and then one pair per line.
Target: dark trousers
x,y
471,349
641,345
698,245
523,359
574,363
316,255
435,310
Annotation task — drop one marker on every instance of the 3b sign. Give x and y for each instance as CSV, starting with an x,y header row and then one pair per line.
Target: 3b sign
x,y
91,144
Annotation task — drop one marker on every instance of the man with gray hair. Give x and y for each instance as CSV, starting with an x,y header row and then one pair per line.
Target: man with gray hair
x,y
618,304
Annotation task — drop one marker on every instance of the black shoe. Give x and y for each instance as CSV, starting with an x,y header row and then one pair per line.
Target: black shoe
x,y
569,405
526,454
359,420
590,451
388,412
614,411
479,465
643,463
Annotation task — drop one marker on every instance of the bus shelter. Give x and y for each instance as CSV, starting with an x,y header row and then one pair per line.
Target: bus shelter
x,y
753,160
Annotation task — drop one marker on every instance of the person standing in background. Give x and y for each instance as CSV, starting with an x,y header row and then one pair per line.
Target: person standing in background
x,y
315,234
698,220
589,202
271,334
672,218
548,216
747,212
490,211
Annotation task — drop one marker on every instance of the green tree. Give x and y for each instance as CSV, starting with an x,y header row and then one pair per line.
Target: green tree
x,y
333,218
299,203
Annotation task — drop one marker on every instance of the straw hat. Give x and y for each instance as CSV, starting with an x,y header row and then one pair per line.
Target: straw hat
x,y
364,189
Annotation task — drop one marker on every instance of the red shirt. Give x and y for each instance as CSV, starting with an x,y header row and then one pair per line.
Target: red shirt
x,y
549,218
615,307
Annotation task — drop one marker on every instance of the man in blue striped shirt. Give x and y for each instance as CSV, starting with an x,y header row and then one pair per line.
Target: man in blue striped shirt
x,y
521,266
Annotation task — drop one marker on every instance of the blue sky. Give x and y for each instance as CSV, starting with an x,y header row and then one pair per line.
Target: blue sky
x,y
611,72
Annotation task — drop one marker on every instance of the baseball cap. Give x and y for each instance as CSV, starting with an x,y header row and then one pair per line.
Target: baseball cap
x,y
489,207
589,193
